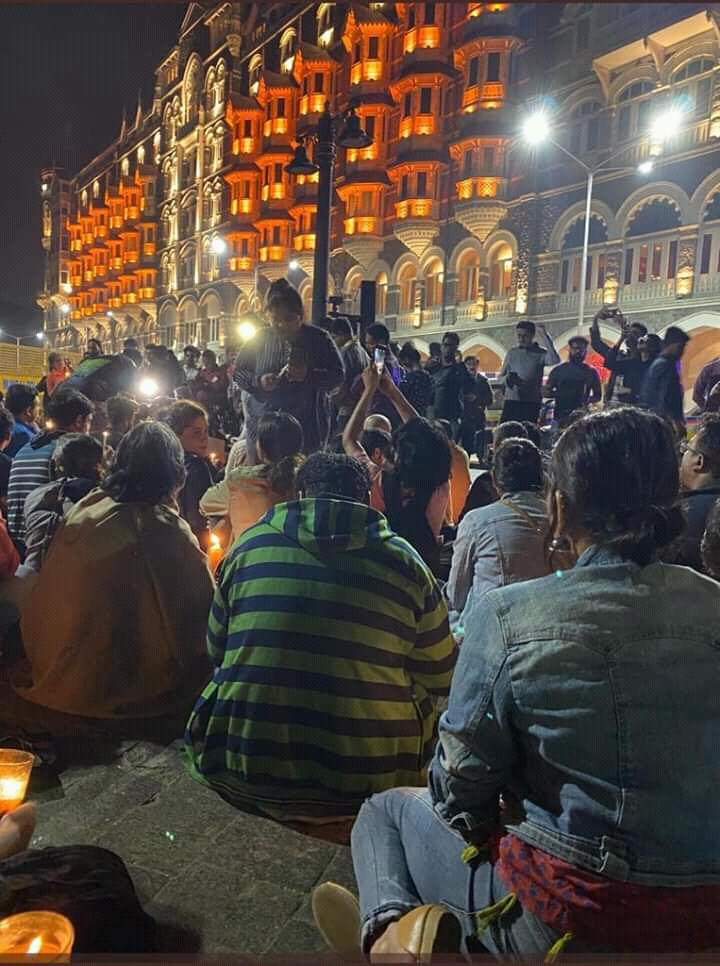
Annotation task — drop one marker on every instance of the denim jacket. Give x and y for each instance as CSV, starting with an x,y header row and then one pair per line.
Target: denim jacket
x,y
593,698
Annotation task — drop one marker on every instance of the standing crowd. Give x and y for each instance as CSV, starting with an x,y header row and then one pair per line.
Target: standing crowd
x,y
505,686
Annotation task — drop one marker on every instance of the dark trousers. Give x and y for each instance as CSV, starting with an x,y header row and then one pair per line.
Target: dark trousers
x,y
521,412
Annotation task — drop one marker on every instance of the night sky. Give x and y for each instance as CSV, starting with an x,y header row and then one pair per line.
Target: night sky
x,y
66,72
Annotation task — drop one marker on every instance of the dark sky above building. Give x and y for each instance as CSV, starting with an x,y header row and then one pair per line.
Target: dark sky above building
x,y
66,73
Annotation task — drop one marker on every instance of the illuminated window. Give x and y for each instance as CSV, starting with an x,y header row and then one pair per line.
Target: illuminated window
x,y
501,271
469,276
493,67
473,71
434,283
407,284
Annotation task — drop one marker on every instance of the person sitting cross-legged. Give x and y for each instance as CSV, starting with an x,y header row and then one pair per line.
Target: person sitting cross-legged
x,y
129,592
572,799
330,640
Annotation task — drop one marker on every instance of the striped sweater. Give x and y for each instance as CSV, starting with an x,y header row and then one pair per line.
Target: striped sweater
x,y
328,635
30,469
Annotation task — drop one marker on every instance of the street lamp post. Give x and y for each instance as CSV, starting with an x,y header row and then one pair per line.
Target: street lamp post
x,y
536,130
329,135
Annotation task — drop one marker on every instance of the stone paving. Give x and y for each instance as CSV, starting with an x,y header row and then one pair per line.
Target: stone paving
x,y
217,880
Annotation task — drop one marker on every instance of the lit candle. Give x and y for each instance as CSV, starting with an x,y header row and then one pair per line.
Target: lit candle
x,y
46,936
15,768
215,552
105,444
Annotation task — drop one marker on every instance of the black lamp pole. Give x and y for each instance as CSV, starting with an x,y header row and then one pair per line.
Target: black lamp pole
x,y
351,136
326,180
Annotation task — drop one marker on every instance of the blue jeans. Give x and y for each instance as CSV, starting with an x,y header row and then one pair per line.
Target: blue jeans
x,y
405,856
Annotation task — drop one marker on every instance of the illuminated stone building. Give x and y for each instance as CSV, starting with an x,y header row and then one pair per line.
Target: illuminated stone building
x,y
178,228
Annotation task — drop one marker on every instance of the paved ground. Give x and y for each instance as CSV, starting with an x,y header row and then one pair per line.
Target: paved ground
x,y
233,882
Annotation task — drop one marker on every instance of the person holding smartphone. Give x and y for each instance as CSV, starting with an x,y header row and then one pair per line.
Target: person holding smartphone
x,y
522,373
624,359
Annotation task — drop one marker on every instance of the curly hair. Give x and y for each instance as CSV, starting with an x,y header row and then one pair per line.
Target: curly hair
x,y
282,294
334,475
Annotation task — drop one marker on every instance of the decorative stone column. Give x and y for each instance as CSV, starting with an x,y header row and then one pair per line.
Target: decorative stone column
x,y
687,256
450,298
613,268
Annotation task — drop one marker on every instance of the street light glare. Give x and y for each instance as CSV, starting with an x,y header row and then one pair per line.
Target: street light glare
x,y
39,336
645,167
148,388
294,265
246,330
666,125
536,128
218,246
65,309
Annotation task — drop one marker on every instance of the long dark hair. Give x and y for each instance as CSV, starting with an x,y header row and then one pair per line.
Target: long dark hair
x,y
149,466
280,437
618,474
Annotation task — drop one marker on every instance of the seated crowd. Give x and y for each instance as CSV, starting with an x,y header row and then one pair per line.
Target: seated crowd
x,y
506,685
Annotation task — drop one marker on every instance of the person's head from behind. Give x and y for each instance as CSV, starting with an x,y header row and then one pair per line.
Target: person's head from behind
x,y
710,546
435,349
534,434
148,467
333,476
378,445
517,467
700,465
7,424
131,344
377,336
191,356
134,355
209,359
55,362
94,349
21,401
525,332
509,430
121,412
471,364
409,357
279,436
649,346
422,457
378,421
341,331
577,349
189,422
615,483
285,307
635,332
449,348
70,411
78,456
674,342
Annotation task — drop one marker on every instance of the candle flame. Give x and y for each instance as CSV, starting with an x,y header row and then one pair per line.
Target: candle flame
x,y
35,946
215,540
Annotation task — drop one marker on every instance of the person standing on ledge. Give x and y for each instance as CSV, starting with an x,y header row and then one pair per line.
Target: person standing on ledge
x,y
522,373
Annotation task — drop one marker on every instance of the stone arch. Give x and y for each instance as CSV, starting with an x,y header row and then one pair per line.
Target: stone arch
x,y
487,342
466,245
498,237
192,86
590,92
660,191
242,305
640,72
406,259
305,291
432,253
693,50
702,196
571,215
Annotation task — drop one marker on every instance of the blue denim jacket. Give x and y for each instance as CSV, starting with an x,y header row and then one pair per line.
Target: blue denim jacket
x,y
593,697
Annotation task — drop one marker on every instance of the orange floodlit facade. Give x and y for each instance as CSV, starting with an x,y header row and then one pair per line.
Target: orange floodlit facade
x,y
176,230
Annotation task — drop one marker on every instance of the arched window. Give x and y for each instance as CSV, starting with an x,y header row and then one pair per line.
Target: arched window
x,y
324,24
191,94
635,106
709,243
469,276
352,296
288,43
141,154
254,71
381,287
434,279
651,249
407,283
695,82
125,167
501,265
585,127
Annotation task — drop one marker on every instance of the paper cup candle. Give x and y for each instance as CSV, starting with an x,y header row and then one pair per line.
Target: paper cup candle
x,y
15,768
45,937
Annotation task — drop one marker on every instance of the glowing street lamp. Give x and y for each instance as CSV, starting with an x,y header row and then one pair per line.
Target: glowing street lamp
x,y
536,129
246,330
294,265
218,246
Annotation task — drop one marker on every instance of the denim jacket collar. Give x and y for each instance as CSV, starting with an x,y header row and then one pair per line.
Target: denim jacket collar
x,y
599,556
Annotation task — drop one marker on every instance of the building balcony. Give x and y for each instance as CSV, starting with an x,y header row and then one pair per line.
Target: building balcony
x,y
273,253
365,71
147,294
312,104
131,213
412,208
131,258
656,290
274,192
418,124
244,146
500,307
426,37
568,303
481,188
304,243
362,225
241,263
